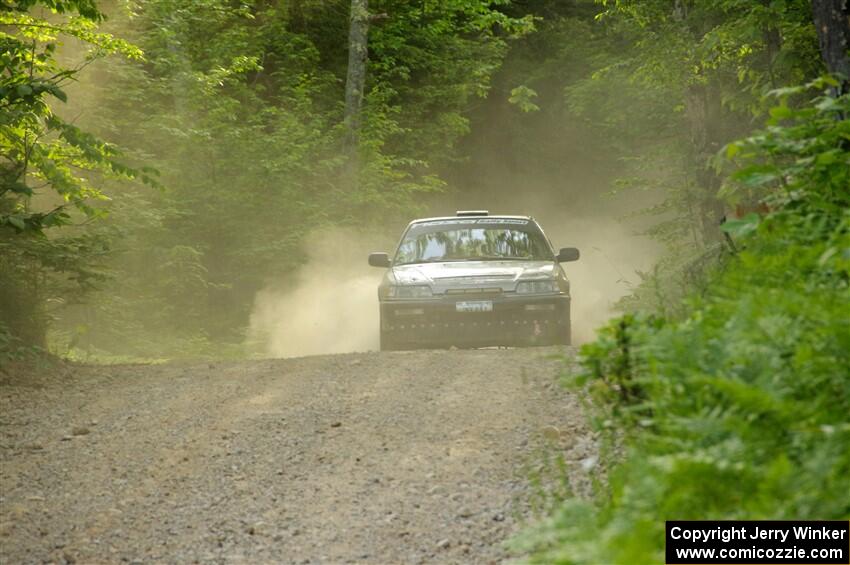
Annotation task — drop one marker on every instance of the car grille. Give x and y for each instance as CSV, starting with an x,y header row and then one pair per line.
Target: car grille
x,y
481,280
474,291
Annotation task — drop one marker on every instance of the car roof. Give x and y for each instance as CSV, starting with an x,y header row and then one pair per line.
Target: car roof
x,y
462,218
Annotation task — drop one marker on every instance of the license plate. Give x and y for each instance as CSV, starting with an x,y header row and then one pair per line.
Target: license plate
x,y
474,306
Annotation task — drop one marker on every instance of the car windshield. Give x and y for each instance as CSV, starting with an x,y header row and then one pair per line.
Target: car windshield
x,y
426,243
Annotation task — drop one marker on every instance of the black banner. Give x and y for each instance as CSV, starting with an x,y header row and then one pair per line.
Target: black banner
x,y
765,541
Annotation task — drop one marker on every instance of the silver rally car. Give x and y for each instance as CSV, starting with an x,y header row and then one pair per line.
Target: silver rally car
x,y
474,280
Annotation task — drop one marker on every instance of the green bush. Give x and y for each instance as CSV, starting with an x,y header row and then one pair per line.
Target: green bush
x,y
740,410
13,348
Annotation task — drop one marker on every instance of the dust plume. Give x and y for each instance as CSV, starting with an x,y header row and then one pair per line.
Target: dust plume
x,y
330,307
559,170
611,254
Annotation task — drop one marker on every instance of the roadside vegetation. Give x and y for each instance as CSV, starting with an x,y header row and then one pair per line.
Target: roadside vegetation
x,y
737,409
723,392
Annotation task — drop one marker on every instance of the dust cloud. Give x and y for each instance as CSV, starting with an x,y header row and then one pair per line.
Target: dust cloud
x,y
611,255
330,307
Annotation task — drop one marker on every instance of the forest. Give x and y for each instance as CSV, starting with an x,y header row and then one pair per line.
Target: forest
x,y
162,162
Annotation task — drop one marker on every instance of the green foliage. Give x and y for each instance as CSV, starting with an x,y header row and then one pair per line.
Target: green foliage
x,y
13,348
800,163
740,409
758,46
38,147
429,62
613,366
669,83
51,171
523,97
241,109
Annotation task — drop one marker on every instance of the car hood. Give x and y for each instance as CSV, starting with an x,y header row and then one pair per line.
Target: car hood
x,y
471,274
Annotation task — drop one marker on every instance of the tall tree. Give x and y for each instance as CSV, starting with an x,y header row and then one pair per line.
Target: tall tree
x,y
832,20
358,52
51,171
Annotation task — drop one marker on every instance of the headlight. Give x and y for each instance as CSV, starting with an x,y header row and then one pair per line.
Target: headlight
x,y
536,287
409,291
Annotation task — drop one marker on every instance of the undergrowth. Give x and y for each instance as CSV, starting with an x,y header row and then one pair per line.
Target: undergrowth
x,y
740,409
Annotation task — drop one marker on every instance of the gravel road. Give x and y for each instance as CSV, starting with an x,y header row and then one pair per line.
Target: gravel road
x,y
404,457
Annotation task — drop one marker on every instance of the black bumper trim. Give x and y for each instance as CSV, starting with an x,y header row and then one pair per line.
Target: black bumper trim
x,y
436,322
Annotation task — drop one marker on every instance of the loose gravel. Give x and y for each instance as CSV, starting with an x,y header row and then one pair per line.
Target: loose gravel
x,y
403,457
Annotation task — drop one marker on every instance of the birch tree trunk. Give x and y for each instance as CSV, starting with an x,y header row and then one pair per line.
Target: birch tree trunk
x,y
356,79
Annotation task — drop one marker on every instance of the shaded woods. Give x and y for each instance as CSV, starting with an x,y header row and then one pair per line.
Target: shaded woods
x,y
239,113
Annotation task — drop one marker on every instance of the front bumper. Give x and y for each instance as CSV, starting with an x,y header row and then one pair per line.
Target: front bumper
x,y
514,320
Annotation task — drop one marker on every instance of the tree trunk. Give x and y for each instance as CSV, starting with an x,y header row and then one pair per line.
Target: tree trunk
x,y
832,20
356,79
703,109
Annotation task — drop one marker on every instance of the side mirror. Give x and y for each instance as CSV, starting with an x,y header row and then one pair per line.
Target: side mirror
x,y
567,254
379,260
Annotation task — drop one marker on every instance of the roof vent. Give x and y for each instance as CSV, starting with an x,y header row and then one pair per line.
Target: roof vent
x,y
468,213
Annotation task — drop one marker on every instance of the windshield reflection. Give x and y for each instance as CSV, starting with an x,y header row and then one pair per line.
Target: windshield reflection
x,y
473,244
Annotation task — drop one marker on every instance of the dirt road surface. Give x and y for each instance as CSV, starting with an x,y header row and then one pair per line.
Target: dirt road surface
x,y
404,457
